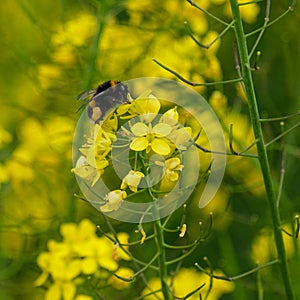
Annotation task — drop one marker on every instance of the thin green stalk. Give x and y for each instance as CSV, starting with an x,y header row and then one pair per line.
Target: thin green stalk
x,y
163,272
261,149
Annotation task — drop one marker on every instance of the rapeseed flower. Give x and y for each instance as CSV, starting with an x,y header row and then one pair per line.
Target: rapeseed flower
x,y
113,200
148,138
171,168
132,180
80,252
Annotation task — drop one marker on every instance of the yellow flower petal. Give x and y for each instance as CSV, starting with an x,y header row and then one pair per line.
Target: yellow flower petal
x,y
182,137
41,279
89,265
69,290
139,129
53,292
114,200
160,147
119,283
173,163
172,175
149,105
123,109
170,117
132,180
83,297
139,144
162,129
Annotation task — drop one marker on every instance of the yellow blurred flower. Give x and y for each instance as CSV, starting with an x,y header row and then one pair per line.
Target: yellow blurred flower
x,y
113,200
19,172
5,137
73,233
249,11
218,101
3,174
218,2
148,138
59,132
83,297
61,290
118,252
119,283
80,252
212,36
188,280
132,180
47,73
76,32
64,54
212,69
263,248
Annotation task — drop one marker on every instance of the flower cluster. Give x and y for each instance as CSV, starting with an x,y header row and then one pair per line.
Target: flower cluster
x,y
188,280
141,127
81,253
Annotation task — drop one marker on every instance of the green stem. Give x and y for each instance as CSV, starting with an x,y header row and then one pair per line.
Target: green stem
x,y
261,149
163,271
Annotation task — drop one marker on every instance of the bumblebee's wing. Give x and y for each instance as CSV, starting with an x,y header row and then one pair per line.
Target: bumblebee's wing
x,y
86,94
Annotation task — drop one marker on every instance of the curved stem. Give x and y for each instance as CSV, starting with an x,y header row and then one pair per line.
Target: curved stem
x,y
261,149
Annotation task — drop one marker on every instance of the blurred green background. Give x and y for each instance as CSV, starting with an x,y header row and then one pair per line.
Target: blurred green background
x,y
52,50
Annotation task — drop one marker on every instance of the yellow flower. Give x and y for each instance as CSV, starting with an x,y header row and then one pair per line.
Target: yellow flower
x,y
83,297
76,32
62,270
151,138
5,137
170,117
118,252
188,280
145,107
88,172
73,233
249,12
80,252
65,290
119,283
263,249
171,168
90,166
64,54
47,73
132,180
113,200
218,101
181,137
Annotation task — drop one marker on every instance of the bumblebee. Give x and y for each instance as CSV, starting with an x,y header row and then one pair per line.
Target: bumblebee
x,y
102,100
